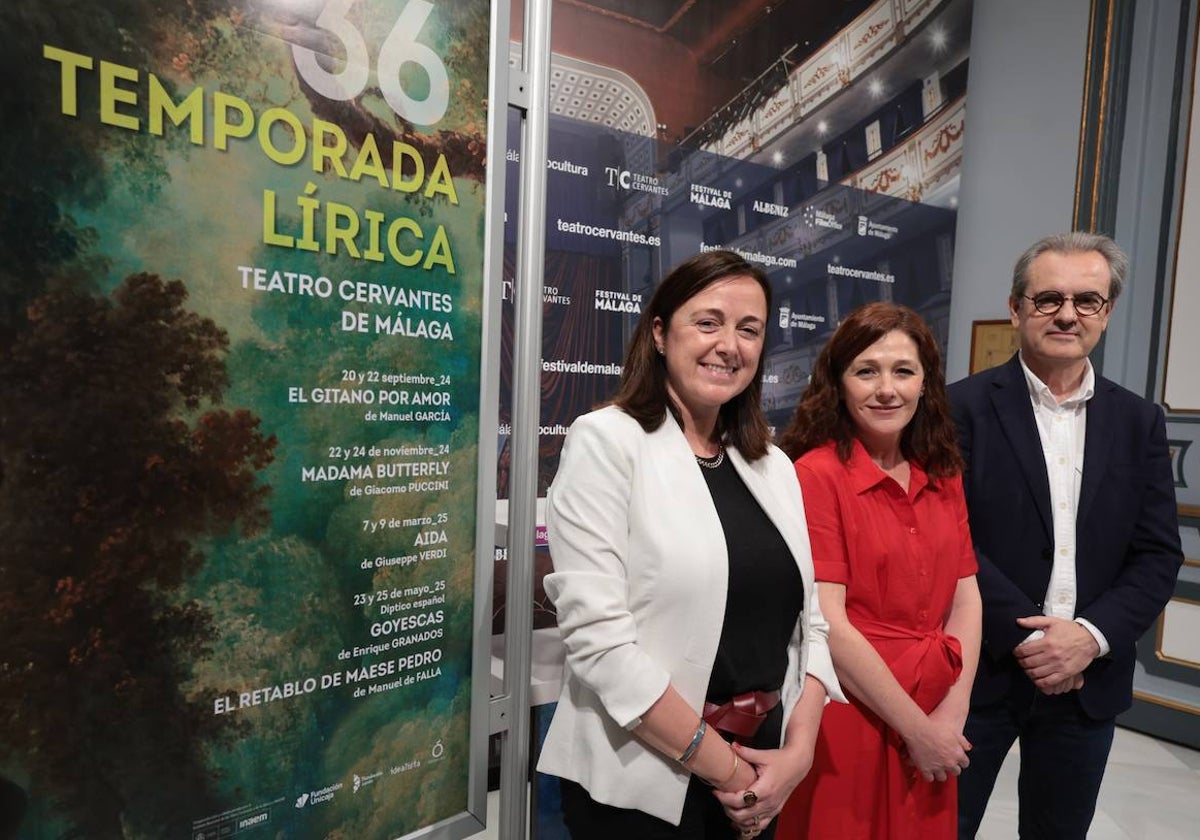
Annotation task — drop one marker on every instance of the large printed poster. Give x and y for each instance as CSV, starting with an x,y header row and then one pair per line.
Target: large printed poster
x,y
241,255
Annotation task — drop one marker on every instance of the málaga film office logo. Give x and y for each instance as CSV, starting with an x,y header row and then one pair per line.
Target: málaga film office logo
x,y
816,217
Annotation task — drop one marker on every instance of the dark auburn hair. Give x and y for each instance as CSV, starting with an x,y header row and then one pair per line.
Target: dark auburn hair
x,y
821,416
643,391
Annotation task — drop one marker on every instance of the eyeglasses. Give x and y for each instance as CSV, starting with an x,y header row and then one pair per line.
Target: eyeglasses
x,y
1048,303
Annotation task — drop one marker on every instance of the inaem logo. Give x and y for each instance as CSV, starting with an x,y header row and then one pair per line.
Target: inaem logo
x,y
302,800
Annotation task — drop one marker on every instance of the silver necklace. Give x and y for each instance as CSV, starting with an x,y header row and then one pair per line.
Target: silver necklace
x,y
713,462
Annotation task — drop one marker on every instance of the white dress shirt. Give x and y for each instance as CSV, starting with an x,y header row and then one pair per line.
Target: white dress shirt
x,y
1062,427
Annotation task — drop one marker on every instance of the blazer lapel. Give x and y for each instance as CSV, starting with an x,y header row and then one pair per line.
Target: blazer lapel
x,y
1097,447
777,510
674,461
1014,411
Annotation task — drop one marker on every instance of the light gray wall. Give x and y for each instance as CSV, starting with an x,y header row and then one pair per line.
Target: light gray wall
x,y
1018,181
1136,336
1028,59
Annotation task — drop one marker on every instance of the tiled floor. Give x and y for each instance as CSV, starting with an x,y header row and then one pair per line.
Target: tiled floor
x,y
1151,791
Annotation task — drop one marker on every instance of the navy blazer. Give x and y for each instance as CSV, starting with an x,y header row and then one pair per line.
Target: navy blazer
x,y
1128,551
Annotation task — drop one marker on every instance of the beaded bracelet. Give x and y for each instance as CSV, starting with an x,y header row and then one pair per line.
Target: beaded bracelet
x,y
690,751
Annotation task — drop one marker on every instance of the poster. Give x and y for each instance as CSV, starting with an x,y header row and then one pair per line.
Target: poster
x,y
241,267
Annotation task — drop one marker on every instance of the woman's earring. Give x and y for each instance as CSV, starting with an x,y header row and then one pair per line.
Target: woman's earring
x,y
660,350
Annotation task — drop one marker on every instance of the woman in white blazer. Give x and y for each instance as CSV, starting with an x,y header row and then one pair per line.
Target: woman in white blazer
x,y
683,582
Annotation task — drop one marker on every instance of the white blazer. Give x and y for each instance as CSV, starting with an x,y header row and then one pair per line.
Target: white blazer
x,y
640,577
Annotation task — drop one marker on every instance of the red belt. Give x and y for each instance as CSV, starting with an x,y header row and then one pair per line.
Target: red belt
x,y
742,715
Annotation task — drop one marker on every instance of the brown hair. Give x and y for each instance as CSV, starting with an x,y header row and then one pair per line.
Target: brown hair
x,y
643,391
821,416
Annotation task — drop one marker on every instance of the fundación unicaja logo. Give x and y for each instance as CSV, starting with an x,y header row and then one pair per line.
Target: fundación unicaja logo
x,y
302,800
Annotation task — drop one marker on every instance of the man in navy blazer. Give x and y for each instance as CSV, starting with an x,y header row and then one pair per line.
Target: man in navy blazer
x,y
1072,511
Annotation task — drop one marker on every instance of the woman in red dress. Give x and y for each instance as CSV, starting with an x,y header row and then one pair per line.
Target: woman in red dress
x,y
881,477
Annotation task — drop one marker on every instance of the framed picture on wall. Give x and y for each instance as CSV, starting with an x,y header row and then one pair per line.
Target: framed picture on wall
x,y
992,343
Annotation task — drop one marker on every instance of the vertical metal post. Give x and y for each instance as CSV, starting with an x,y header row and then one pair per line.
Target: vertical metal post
x,y
527,379
482,707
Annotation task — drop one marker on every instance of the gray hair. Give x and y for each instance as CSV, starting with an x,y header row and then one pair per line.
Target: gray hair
x,y
1075,242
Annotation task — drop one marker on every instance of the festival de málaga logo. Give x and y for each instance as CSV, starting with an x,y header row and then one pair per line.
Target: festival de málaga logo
x,y
706,196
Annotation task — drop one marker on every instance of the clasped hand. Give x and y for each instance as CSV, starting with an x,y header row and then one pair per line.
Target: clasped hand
x,y
938,750
1056,661
778,772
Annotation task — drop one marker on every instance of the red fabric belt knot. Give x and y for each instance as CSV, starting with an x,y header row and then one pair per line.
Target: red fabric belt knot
x,y
743,714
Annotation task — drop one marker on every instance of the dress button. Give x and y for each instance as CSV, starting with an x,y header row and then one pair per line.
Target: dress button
x,y
912,530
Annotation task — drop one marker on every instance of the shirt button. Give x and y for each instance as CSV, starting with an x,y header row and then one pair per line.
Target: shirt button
x,y
1062,460
912,530
1062,599
1063,552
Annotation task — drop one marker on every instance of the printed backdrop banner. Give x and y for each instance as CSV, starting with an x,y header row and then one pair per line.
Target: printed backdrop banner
x,y
820,140
241,256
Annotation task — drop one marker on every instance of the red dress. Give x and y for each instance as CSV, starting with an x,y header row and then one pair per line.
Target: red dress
x,y
900,556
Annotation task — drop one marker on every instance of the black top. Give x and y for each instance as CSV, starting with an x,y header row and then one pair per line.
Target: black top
x,y
764,599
